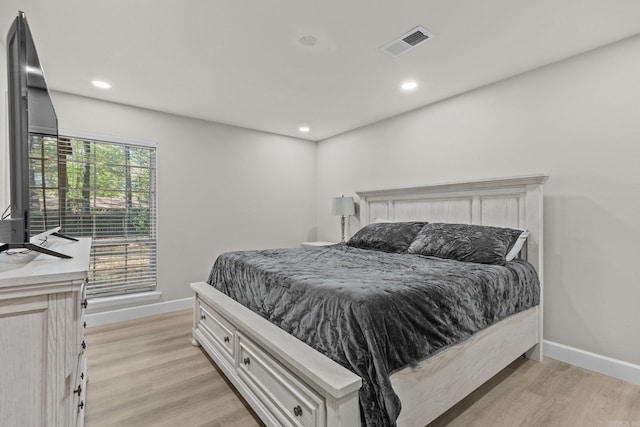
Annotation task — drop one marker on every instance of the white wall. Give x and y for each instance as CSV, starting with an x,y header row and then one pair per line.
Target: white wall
x,y
220,187
579,122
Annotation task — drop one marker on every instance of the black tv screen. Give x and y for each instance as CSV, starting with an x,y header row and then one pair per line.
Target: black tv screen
x,y
33,141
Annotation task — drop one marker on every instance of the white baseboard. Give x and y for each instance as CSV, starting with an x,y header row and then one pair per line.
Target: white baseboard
x,y
121,300
130,313
594,362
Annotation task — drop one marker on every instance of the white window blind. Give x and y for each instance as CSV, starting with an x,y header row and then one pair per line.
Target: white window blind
x,y
107,191
44,202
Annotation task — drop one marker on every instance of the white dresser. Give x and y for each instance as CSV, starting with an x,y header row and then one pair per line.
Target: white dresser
x,y
42,364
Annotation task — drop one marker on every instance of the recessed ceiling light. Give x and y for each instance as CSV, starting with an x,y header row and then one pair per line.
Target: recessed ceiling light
x,y
409,86
304,129
101,84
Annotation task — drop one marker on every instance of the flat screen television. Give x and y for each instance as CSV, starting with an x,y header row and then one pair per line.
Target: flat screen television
x,y
33,147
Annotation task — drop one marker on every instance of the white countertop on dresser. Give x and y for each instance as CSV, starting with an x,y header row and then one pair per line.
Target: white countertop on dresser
x,y
32,267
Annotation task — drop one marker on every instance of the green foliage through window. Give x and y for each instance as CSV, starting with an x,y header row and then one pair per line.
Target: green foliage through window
x,y
105,191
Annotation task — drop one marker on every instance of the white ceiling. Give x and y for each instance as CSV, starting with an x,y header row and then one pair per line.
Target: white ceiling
x,y
240,62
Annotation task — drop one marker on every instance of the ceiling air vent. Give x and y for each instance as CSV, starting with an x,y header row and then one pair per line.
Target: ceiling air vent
x,y
407,41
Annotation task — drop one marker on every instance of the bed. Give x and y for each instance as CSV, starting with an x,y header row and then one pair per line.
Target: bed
x,y
287,382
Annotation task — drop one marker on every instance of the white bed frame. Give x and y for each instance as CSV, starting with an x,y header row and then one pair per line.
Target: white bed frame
x,y
288,383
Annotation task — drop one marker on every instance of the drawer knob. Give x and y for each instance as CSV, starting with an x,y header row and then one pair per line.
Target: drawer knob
x,y
226,339
246,361
78,390
297,411
84,303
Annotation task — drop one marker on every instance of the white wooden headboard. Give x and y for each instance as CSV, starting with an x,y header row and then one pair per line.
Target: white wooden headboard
x,y
514,202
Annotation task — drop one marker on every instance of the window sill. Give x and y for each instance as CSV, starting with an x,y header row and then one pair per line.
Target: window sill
x,y
122,300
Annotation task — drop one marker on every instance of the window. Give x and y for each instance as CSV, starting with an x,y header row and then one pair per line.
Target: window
x,y
44,202
107,191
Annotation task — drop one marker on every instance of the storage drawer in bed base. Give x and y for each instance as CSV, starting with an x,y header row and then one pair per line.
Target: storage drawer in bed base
x,y
282,394
285,396
221,332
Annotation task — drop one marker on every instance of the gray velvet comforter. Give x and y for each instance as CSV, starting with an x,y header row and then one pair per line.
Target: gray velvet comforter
x,y
374,312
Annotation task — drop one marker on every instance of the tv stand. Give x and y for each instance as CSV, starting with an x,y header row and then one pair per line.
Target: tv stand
x,y
33,247
64,236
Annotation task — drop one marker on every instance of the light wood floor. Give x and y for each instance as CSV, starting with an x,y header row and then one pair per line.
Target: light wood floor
x,y
146,373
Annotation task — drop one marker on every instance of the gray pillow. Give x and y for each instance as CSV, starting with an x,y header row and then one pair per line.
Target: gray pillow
x,y
392,237
465,242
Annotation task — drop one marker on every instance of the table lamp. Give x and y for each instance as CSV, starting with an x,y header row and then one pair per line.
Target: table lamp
x,y
342,207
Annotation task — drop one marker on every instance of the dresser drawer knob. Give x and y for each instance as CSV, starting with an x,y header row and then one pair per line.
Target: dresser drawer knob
x,y
226,339
78,390
246,361
297,411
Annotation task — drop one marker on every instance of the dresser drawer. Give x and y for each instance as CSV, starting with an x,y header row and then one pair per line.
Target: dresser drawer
x,y
79,392
291,402
74,338
223,332
81,308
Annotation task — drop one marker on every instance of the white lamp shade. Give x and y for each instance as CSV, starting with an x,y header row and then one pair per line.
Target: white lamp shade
x,y
343,206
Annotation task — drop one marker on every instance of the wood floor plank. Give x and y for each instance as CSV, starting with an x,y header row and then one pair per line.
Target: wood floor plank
x,y
145,372
550,393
